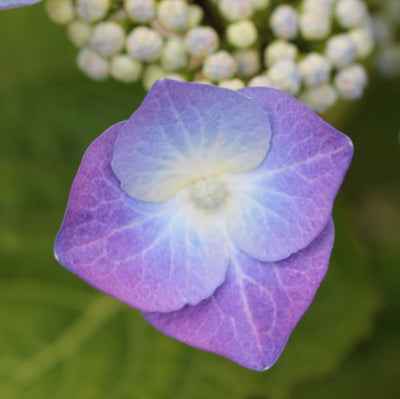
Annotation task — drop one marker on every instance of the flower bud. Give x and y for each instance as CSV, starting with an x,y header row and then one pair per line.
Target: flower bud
x,y
363,40
195,15
125,69
174,55
79,32
242,34
151,74
285,76
248,63
322,7
140,10
350,82
107,38
279,50
319,97
351,13
284,22
175,76
340,50
144,44
92,64
60,11
382,31
201,41
388,60
260,81
219,66
391,11
234,10
233,84
92,10
173,15
314,69
315,26
260,4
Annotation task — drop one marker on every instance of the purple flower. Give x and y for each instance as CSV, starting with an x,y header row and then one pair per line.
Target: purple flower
x,y
16,3
210,211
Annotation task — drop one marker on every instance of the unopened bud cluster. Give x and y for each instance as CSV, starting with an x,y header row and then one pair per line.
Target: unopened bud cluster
x,y
311,49
386,23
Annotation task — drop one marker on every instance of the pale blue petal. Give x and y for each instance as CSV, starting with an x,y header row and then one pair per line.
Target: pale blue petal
x,y
187,131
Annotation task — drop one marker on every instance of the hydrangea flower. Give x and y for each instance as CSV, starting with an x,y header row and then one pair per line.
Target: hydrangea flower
x,y
16,3
210,211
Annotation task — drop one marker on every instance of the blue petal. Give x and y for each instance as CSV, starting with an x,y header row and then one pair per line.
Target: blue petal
x,y
251,316
280,207
153,256
16,3
188,131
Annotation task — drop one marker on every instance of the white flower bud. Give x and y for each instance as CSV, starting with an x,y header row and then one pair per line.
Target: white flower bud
x,y
242,34
144,44
350,82
391,11
151,74
60,11
202,41
279,50
248,63
203,81
175,76
314,26
314,69
92,64
233,84
285,76
388,60
319,97
260,81
323,7
219,66
233,10
140,10
92,10
382,31
195,15
125,69
284,22
351,13
79,32
107,38
260,4
174,55
363,40
340,50
173,15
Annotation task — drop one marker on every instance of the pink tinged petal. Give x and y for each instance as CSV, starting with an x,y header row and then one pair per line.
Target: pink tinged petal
x,y
16,3
151,256
188,131
251,316
280,207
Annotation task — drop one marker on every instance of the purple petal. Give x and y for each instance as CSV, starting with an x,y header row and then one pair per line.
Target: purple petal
x,y
250,317
281,206
149,255
4,4
187,131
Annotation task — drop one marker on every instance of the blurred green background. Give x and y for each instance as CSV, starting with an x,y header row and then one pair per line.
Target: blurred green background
x,y
61,339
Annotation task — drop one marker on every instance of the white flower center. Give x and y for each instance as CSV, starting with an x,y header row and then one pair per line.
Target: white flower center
x,y
208,193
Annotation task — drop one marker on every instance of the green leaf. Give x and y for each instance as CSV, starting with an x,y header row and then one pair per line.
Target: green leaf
x,y
372,371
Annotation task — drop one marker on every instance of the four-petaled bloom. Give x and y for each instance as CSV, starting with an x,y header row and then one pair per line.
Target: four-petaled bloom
x,y
16,3
210,211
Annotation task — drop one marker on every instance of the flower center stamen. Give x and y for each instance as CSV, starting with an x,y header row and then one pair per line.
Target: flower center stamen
x,y
208,193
